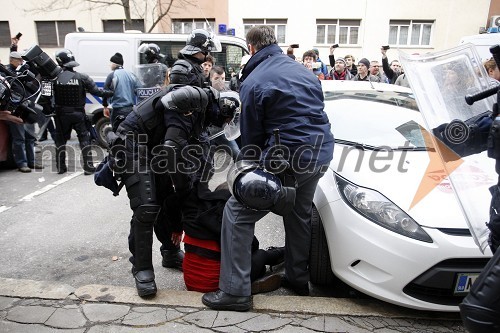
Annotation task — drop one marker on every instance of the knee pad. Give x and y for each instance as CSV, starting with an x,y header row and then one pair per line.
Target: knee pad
x,y
147,213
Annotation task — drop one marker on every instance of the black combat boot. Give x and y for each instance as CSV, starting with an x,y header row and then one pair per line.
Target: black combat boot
x,y
172,258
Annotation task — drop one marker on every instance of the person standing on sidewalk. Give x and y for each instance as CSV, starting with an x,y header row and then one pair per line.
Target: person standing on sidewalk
x,y
23,143
293,104
123,84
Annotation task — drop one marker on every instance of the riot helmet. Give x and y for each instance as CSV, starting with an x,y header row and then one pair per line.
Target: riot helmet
x,y
151,51
201,41
65,58
186,99
258,189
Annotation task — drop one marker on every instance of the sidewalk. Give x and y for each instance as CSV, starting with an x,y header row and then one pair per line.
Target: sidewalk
x,y
40,307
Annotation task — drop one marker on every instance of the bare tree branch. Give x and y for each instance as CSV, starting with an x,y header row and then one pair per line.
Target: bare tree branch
x,y
140,8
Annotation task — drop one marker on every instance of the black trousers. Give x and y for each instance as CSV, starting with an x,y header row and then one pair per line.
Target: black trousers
x,y
68,119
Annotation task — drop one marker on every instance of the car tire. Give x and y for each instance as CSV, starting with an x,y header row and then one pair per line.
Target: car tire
x,y
102,127
319,258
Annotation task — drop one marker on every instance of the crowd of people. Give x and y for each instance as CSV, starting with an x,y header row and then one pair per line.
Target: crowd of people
x,y
346,68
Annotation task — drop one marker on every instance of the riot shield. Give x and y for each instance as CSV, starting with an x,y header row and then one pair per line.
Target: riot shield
x,y
152,78
440,82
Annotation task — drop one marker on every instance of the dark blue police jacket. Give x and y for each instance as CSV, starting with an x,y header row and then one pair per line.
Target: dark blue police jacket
x,y
280,93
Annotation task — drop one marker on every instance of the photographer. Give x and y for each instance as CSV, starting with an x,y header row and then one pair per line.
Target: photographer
x,y
23,143
309,60
393,70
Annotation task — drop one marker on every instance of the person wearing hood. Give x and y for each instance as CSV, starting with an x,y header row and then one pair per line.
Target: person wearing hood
x,y
293,105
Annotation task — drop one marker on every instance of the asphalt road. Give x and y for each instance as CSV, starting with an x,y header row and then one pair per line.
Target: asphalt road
x,y
64,228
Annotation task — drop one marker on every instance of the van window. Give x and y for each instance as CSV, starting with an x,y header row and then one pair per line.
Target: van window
x,y
229,57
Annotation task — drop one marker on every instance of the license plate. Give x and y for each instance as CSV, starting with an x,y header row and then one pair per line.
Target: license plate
x,y
464,283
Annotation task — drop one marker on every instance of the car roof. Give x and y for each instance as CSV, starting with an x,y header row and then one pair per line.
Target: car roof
x,y
340,85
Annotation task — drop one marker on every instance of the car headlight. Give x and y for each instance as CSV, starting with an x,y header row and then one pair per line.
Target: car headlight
x,y
377,208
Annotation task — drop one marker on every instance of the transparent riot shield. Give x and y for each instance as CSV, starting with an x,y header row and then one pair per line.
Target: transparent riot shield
x,y
152,78
440,82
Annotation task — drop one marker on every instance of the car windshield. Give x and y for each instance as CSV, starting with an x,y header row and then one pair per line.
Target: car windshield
x,y
373,119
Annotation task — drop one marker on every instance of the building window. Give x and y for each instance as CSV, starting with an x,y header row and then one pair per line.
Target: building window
x,y
410,32
334,31
4,34
52,33
279,26
119,25
185,26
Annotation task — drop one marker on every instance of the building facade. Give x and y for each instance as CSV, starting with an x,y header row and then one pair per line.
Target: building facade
x,y
360,27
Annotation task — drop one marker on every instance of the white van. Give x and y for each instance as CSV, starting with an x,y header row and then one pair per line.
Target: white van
x,y
93,51
482,42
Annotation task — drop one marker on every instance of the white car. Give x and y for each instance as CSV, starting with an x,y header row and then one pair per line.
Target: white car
x,y
389,224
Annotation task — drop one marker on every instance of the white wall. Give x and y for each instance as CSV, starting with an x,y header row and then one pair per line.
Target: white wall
x,y
453,20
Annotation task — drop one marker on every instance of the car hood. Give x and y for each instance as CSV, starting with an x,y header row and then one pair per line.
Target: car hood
x,y
417,186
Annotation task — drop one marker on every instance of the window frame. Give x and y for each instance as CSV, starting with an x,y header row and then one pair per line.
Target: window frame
x,y
194,23
58,32
425,33
276,23
338,25
5,40
136,23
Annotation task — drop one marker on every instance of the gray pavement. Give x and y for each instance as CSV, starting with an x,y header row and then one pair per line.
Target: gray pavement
x,y
80,281
38,307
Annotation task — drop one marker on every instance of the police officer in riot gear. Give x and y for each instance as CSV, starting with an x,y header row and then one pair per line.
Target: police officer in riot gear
x,y
156,154
187,69
480,309
152,55
70,89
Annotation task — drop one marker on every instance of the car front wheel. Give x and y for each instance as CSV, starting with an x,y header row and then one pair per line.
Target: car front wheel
x,y
319,258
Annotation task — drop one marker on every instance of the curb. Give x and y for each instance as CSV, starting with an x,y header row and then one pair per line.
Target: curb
x,y
174,298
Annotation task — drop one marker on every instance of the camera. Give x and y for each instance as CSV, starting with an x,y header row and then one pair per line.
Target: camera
x,y
42,62
335,46
294,46
18,36
386,47
19,90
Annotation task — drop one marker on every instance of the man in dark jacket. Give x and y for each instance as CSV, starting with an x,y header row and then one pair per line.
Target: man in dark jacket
x,y
293,104
393,70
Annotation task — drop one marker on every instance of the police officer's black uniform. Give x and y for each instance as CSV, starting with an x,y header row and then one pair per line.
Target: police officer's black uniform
x,y
152,54
149,155
70,89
